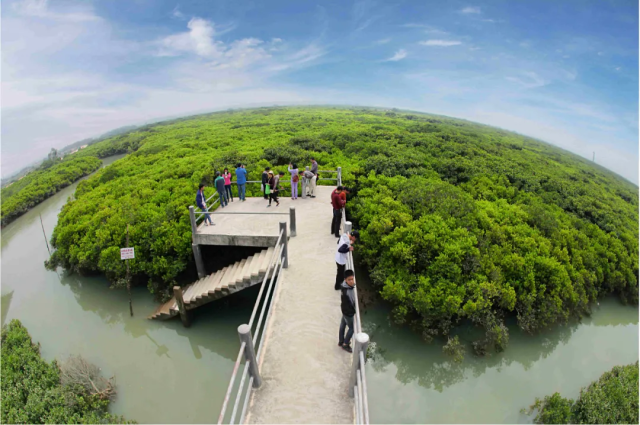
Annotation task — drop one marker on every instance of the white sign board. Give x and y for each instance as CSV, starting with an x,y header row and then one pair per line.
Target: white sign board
x,y
127,253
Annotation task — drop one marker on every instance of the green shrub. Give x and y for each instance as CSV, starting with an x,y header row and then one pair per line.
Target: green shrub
x,y
39,185
612,399
32,391
458,221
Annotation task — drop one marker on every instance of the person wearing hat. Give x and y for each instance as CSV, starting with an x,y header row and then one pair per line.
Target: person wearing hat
x,y
344,247
348,307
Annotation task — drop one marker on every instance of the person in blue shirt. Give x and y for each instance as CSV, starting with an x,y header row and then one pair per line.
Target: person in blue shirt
x,y
201,203
241,180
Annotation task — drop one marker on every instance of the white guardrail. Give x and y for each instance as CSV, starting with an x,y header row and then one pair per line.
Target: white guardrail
x,y
249,336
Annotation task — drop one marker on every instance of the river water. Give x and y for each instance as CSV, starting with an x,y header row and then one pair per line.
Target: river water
x,y
168,374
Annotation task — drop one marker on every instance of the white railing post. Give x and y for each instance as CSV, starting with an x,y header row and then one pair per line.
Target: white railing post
x,y
194,225
285,242
339,176
292,221
244,332
361,344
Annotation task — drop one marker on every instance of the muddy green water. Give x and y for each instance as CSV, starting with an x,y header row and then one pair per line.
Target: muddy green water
x,y
168,374
410,381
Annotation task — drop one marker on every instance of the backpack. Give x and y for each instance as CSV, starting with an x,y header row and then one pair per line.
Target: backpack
x,y
296,178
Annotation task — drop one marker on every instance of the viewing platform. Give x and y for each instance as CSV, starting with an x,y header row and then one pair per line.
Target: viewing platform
x,y
294,371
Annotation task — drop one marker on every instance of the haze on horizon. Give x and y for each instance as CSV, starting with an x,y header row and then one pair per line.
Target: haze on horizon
x,y
563,72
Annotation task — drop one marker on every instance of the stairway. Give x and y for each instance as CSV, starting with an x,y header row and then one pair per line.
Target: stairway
x,y
231,279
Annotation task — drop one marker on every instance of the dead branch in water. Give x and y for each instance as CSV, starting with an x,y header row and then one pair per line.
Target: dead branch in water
x,y
76,371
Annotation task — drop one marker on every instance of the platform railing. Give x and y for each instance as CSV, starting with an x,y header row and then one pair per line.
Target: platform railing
x,y
249,337
358,378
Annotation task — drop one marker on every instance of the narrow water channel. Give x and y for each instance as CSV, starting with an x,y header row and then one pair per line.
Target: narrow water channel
x,y
164,372
168,374
410,381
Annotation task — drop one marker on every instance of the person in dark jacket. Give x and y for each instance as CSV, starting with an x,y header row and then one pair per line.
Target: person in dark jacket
x,y
348,307
265,181
201,203
337,203
344,247
219,182
274,183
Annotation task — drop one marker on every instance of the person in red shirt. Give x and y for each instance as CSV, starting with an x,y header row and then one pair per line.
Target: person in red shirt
x,y
337,202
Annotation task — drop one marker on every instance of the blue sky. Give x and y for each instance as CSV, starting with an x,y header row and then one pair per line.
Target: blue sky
x,y
562,71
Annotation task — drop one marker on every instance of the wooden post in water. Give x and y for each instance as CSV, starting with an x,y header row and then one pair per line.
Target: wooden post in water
x,y
184,316
45,235
129,277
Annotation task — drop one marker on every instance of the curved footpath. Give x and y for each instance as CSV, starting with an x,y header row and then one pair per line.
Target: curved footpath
x,y
305,374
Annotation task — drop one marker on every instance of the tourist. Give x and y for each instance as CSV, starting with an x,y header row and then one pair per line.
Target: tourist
x,y
294,180
265,182
311,182
343,194
201,203
274,184
344,247
337,203
227,184
219,182
348,307
314,167
241,180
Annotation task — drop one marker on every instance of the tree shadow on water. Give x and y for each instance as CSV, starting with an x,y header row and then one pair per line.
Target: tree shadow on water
x,y
214,326
425,363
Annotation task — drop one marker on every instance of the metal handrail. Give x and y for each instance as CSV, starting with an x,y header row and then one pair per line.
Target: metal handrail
x,y
273,269
255,336
359,381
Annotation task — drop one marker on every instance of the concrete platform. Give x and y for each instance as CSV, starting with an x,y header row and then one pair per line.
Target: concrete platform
x,y
305,374
235,229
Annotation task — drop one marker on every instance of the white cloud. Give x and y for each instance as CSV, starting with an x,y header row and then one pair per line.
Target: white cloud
x,y
383,41
440,43
528,79
399,55
176,13
471,10
617,68
40,9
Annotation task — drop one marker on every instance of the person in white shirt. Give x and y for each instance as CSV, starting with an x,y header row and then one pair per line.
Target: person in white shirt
x,y
344,247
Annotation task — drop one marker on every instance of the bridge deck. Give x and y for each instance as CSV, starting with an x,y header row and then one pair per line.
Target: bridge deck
x,y
305,374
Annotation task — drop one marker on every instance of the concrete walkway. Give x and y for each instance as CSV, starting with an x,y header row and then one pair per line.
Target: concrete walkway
x,y
305,374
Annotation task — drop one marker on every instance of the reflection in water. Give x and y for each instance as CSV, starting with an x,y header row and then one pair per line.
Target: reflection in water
x,y
411,381
111,305
6,302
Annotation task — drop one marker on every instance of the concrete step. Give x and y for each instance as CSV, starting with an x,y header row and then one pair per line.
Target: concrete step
x,y
202,289
211,283
215,285
246,273
224,282
238,276
266,259
194,291
231,279
254,269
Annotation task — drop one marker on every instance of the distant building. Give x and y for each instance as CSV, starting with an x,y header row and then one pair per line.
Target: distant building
x,y
83,146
